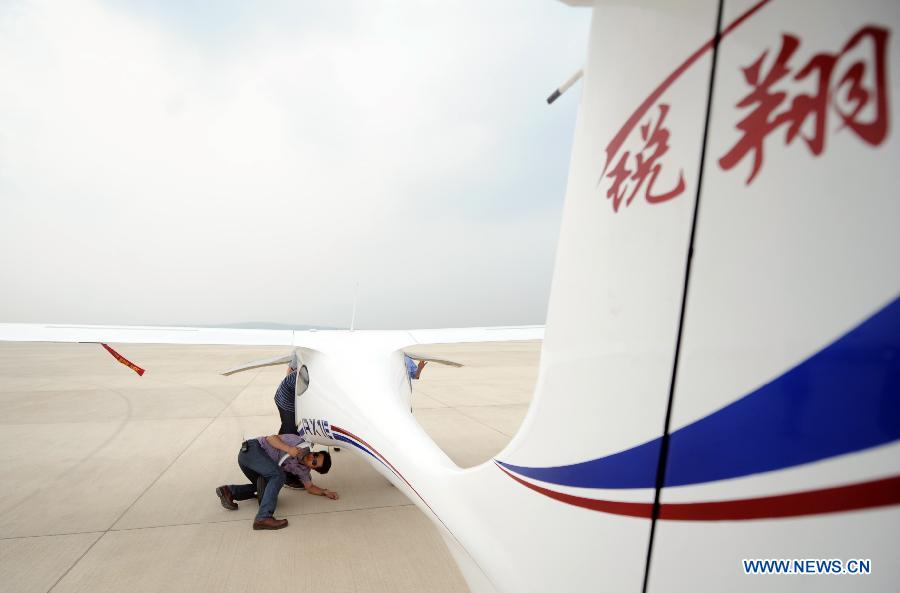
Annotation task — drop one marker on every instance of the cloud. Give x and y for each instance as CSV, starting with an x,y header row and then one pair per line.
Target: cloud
x,y
156,167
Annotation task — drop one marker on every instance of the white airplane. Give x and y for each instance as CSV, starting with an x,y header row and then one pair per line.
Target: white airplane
x,y
720,373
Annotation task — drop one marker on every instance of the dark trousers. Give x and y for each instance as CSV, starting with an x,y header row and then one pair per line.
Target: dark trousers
x,y
288,426
256,463
288,422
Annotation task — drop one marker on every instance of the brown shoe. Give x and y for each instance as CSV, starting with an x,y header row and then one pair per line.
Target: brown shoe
x,y
225,497
270,523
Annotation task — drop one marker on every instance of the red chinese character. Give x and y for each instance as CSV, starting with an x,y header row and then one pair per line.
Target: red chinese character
x,y
875,131
647,166
763,120
815,106
619,175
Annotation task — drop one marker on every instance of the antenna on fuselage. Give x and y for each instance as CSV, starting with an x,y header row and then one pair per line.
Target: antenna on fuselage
x,y
353,315
564,87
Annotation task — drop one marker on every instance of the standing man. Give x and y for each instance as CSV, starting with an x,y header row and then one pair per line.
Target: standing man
x,y
284,395
284,401
259,459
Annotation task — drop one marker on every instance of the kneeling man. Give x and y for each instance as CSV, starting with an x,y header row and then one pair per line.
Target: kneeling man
x,y
259,459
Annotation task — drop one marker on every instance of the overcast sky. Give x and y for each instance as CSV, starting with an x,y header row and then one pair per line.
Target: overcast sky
x,y
197,163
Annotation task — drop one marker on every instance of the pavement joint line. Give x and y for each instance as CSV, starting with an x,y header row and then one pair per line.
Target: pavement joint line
x,y
116,420
440,401
461,413
378,508
497,430
77,560
204,390
14,537
242,519
179,456
166,525
122,422
152,418
147,489
479,405
457,409
525,404
420,395
250,416
437,400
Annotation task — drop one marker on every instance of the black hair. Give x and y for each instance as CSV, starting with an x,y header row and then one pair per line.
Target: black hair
x,y
326,462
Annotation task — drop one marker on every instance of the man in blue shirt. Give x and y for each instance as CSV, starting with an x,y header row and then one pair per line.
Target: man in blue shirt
x,y
259,459
413,370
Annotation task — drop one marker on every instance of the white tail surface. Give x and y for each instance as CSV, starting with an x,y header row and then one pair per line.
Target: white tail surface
x,y
720,376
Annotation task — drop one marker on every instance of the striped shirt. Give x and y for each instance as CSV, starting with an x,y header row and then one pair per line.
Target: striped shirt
x,y
284,395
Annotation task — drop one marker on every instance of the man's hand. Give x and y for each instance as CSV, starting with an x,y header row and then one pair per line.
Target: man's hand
x,y
277,443
316,491
419,368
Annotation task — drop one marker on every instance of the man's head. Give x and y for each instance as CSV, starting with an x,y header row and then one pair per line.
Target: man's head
x,y
321,461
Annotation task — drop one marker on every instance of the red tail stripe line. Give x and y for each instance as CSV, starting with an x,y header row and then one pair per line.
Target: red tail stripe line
x,y
630,509
864,495
346,432
380,456
124,360
876,493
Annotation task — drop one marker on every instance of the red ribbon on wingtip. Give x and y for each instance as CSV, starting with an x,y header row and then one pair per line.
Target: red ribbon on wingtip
x,y
124,360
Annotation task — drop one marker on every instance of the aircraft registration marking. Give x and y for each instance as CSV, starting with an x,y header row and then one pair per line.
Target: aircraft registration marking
x,y
316,427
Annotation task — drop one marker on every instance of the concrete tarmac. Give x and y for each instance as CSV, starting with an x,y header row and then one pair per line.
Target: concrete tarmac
x,y
109,477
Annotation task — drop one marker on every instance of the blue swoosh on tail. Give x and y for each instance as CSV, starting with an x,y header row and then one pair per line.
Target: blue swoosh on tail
x,y
843,399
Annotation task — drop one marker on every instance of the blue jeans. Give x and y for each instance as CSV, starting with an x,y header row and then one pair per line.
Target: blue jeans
x,y
255,462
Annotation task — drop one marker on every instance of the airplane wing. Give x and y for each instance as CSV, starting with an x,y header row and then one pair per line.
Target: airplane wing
x,y
256,364
125,334
425,358
280,360
399,339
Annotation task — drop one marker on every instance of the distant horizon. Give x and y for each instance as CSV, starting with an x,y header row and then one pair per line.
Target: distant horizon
x,y
233,325
262,325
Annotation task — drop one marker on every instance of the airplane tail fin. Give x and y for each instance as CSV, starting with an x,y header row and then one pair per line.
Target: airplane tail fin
x,y
719,285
